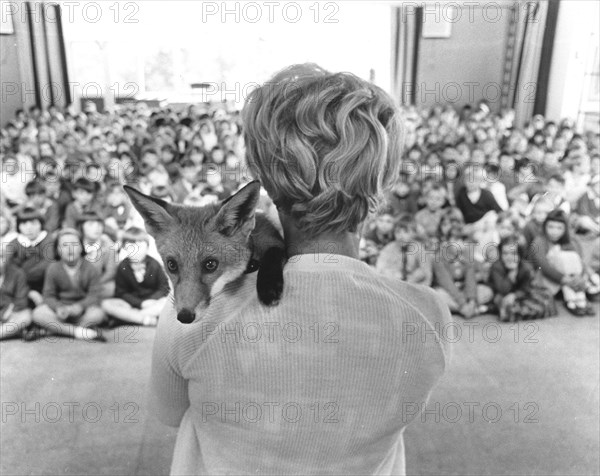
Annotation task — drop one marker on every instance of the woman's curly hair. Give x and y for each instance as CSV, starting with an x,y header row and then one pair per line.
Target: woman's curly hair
x,y
324,145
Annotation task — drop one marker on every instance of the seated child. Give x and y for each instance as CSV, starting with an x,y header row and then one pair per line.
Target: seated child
x,y
401,198
186,181
212,181
367,251
534,225
15,316
429,217
38,200
559,259
474,201
382,232
33,251
116,211
100,250
510,274
83,193
404,258
586,223
519,209
495,185
72,292
141,285
454,272
586,214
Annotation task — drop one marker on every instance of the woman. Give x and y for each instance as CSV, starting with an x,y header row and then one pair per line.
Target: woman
x,y
324,381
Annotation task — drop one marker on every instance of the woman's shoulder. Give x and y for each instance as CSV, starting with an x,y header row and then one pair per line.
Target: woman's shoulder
x,y
431,310
422,299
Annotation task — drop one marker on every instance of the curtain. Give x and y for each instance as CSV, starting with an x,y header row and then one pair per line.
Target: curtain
x,y
405,33
531,24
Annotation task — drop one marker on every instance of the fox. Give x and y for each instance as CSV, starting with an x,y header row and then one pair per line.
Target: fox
x,y
206,248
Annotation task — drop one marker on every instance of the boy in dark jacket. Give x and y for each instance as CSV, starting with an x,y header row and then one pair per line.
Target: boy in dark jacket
x,y
141,285
510,275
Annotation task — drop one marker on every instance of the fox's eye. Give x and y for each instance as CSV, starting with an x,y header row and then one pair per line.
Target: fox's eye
x,y
172,265
210,265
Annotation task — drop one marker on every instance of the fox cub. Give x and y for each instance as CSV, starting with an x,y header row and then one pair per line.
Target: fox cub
x,y
206,248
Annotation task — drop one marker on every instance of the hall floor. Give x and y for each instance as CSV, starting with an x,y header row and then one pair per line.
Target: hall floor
x,y
516,399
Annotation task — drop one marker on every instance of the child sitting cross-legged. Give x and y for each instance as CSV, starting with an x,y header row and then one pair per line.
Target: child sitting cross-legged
x,y
510,276
404,257
141,285
454,276
559,258
72,291
100,250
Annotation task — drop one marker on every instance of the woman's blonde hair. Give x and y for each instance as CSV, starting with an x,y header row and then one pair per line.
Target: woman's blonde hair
x,y
324,145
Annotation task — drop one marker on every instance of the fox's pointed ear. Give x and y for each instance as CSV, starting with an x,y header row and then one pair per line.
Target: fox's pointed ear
x,y
237,212
154,211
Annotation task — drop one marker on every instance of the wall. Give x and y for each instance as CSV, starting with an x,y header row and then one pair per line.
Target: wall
x,y
467,66
19,54
16,72
10,78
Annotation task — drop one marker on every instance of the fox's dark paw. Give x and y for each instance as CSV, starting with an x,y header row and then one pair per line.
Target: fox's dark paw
x,y
270,294
269,282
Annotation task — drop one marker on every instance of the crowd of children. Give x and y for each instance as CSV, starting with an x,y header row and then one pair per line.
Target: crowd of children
x,y
498,219
490,215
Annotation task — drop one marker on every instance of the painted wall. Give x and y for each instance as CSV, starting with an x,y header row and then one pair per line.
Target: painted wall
x,y
16,70
467,66
17,53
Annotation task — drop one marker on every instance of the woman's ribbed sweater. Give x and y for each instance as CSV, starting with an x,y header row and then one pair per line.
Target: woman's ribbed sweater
x,y
323,383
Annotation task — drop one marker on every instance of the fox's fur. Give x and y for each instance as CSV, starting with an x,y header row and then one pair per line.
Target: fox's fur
x,y
232,234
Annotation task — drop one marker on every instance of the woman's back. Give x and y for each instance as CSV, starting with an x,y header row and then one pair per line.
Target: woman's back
x,y
323,383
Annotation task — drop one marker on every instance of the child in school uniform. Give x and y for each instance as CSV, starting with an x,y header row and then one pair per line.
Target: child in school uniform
x,y
404,258
141,285
401,198
72,292
38,199
84,194
33,250
510,274
429,217
559,258
116,211
534,226
100,250
454,275
586,223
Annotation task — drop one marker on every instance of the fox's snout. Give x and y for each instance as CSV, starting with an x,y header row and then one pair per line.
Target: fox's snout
x,y
190,296
186,316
